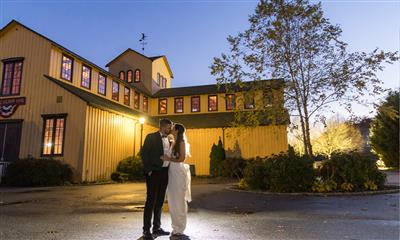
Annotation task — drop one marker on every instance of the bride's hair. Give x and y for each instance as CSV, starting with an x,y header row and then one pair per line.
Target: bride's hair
x,y
181,138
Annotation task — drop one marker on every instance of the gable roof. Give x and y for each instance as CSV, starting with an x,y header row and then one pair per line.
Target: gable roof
x,y
155,57
91,64
211,120
210,89
202,120
125,52
144,56
98,101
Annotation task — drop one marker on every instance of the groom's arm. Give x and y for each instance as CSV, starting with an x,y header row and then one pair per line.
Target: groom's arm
x,y
145,154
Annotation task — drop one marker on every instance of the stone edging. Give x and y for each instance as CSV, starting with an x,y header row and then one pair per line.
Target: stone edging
x,y
386,191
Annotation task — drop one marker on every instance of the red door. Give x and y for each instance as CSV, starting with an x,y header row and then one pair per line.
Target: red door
x,y
10,138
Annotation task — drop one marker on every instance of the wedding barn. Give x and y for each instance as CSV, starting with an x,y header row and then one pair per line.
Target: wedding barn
x,y
55,103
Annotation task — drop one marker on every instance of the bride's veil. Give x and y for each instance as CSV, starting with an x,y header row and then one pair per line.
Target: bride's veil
x,y
187,145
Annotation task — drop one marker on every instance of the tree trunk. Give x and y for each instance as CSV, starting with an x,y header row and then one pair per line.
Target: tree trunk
x,y
307,133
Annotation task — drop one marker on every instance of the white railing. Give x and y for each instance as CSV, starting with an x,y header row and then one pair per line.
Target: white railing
x,y
3,168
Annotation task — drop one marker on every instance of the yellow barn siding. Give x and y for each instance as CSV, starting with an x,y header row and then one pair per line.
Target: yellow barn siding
x,y
159,66
55,70
109,138
221,98
187,105
41,96
96,140
201,141
132,61
259,141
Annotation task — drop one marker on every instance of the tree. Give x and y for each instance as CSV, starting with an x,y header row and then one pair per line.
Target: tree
x,y
338,136
292,40
217,155
385,130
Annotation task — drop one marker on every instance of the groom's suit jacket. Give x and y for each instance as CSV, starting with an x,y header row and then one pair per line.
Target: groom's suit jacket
x,y
151,152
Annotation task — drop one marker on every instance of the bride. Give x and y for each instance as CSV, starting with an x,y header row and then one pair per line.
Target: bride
x,y
178,192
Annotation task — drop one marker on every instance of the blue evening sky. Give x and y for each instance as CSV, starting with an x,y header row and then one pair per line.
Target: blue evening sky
x,y
190,33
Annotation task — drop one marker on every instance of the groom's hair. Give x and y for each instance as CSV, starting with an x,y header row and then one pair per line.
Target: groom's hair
x,y
164,122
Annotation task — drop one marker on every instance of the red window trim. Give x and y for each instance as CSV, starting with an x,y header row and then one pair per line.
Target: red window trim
x,y
72,67
216,103
12,61
90,76
191,103
175,107
55,117
159,105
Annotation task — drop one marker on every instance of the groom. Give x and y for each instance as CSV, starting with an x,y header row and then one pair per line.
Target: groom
x,y
156,171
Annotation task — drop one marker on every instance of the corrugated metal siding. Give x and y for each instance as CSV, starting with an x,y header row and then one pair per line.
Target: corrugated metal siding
x,y
252,142
109,138
55,70
41,96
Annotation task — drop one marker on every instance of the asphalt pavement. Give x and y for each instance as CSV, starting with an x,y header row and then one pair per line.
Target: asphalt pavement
x,y
114,211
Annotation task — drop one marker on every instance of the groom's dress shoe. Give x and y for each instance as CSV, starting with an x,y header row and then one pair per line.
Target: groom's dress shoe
x,y
147,236
160,232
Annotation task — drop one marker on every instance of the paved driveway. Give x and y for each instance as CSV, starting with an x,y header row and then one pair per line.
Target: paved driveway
x,y
114,211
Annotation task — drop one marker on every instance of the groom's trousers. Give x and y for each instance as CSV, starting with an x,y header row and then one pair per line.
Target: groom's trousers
x,y
156,185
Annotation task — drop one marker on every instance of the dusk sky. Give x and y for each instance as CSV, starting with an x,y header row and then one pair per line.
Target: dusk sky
x,y
190,33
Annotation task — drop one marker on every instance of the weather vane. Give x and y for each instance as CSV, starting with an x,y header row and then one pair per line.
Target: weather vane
x,y
142,41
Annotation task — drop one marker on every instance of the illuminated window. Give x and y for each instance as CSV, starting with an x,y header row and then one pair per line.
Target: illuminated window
x,y
179,105
129,76
121,75
212,103
249,102
115,90
53,135
136,100
86,76
195,104
127,96
102,84
67,65
158,79
230,101
162,106
12,74
137,75
145,104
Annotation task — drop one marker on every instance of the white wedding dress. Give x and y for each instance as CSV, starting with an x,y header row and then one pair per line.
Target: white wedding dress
x,y
178,195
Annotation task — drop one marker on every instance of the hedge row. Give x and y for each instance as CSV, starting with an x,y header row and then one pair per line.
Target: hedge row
x,y
38,172
293,173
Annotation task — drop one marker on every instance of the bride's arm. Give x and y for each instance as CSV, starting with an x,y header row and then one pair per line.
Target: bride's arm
x,y
182,154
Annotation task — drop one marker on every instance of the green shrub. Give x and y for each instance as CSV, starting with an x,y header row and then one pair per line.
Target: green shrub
x,y
243,184
217,155
289,173
233,167
38,172
324,186
354,168
119,177
385,130
280,173
347,187
132,167
255,174
370,185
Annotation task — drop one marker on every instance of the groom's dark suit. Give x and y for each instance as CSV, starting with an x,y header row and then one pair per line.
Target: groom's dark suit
x,y
157,182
